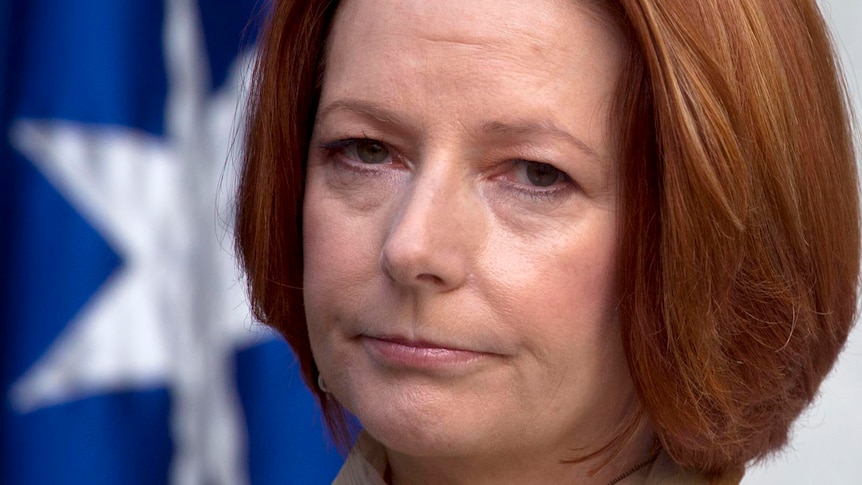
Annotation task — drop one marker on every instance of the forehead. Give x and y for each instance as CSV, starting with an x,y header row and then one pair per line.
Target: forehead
x,y
487,25
489,58
446,21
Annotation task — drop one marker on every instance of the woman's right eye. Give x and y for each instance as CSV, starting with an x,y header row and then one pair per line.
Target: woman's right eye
x,y
370,151
361,150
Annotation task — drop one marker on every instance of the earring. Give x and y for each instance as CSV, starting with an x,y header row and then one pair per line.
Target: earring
x,y
322,384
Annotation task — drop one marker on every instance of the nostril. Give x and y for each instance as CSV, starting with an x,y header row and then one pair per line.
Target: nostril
x,y
430,278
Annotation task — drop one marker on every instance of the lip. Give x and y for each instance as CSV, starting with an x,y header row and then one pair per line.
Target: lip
x,y
398,352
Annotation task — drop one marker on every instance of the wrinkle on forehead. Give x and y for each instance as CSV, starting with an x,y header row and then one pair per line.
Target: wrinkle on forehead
x,y
462,27
440,23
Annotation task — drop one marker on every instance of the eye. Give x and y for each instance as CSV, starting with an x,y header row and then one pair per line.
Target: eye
x,y
540,174
367,151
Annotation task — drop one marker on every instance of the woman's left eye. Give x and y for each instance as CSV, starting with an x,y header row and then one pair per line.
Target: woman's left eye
x,y
538,174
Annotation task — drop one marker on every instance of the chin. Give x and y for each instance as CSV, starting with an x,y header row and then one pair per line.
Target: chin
x,y
419,420
438,440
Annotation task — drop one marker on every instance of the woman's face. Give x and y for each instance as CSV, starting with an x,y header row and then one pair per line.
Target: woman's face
x,y
460,225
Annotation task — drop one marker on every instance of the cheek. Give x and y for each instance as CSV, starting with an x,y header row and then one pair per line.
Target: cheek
x,y
333,269
560,292
569,270
337,253
344,223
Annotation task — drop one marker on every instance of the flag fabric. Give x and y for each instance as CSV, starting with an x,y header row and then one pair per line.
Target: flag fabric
x,y
129,354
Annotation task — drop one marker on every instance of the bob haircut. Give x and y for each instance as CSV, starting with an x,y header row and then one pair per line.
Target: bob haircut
x,y
740,222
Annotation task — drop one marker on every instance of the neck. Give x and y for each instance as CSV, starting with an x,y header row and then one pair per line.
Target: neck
x,y
520,468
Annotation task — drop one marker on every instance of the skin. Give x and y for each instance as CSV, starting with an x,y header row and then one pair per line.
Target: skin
x,y
465,314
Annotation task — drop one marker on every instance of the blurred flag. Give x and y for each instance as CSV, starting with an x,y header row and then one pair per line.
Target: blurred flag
x,y
129,354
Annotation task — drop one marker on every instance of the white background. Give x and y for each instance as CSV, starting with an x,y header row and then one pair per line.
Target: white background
x,y
827,444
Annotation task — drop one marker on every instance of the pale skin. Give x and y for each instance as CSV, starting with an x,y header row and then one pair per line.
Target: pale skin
x,y
460,237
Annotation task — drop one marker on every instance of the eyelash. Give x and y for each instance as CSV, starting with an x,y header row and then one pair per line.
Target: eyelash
x,y
335,149
559,189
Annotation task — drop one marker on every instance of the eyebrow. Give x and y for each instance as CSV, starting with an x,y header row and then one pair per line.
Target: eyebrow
x,y
365,108
495,129
529,128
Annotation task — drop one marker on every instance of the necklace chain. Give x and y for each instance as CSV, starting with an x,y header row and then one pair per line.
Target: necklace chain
x,y
633,469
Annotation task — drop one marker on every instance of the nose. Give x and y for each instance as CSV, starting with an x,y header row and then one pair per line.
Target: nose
x,y
433,238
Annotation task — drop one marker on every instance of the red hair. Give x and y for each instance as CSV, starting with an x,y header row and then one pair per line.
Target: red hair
x,y
740,227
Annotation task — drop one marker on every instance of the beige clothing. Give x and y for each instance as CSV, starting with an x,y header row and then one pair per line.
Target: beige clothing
x,y
367,463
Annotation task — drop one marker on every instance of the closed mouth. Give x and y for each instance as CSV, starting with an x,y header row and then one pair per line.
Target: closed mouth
x,y
396,351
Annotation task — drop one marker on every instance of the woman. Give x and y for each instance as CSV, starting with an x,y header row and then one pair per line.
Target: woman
x,y
555,241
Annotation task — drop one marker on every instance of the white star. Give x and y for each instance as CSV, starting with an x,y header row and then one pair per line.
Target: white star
x,y
175,312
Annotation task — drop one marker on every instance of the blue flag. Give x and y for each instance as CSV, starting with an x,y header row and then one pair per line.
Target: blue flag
x,y
129,352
